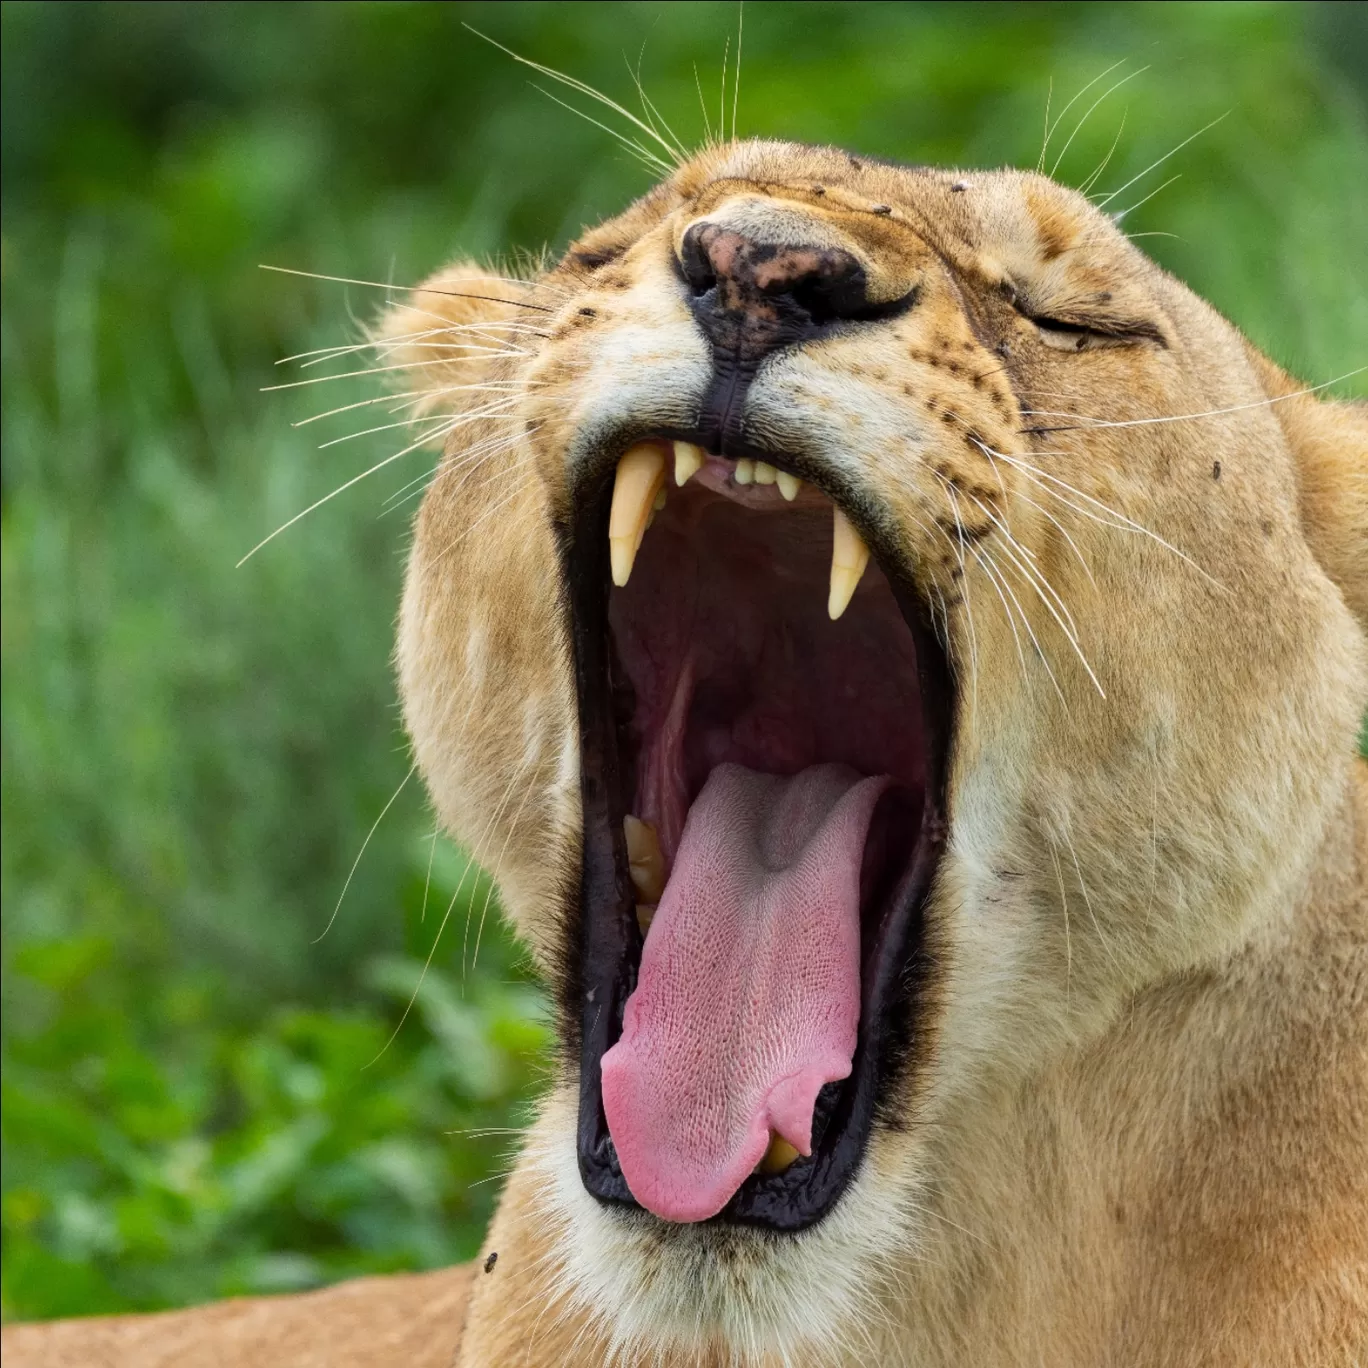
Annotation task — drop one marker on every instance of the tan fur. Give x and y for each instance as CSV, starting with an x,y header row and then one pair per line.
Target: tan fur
x,y
1139,1133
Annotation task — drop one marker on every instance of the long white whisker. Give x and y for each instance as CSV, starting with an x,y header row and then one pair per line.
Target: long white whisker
x,y
1040,160
1090,109
1050,128
488,411
356,862
643,154
1102,203
482,451
374,370
445,425
1039,583
736,88
1090,422
1121,213
1114,519
417,338
707,122
406,289
1102,165
579,87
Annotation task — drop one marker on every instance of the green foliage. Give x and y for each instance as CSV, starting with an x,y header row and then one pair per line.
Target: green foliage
x,y
193,754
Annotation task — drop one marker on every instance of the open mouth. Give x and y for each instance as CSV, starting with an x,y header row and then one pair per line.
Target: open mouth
x,y
765,718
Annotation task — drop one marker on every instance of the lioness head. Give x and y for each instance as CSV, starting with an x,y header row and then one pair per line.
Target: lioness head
x,y
873,623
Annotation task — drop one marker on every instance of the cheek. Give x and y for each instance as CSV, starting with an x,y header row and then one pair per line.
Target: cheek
x,y
488,698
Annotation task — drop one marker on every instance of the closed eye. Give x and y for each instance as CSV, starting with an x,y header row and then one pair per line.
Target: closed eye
x,y
1073,335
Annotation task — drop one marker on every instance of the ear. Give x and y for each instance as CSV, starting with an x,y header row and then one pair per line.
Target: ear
x,y
1329,440
449,334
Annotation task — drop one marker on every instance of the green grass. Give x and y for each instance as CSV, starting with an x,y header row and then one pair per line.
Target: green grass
x,y
193,754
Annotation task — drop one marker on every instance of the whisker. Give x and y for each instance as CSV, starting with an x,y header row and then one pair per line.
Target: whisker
x,y
736,87
1102,203
1039,582
1102,165
1051,128
489,410
415,396
1090,109
1087,423
1114,519
403,783
427,963
649,108
581,88
377,370
707,122
1121,213
445,425
644,155
416,289
427,882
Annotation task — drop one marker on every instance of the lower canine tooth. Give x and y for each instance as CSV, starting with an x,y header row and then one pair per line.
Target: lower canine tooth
x,y
688,461
744,472
779,1155
765,474
644,860
789,485
640,477
645,915
849,556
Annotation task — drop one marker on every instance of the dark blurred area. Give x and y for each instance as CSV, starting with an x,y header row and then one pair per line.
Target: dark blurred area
x,y
199,1097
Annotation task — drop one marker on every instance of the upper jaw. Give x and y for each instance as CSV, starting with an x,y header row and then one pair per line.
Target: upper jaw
x,y
604,939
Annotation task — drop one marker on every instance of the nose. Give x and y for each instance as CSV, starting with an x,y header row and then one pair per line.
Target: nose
x,y
751,298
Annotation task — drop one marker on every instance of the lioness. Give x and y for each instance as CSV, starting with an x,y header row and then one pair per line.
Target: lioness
x,y
901,654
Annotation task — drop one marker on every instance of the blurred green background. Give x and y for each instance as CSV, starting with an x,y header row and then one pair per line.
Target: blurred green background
x,y
194,754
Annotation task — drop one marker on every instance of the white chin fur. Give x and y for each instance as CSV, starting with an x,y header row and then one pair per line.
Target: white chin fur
x,y
747,1295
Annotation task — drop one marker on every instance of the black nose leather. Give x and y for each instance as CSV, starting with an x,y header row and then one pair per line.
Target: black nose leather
x,y
751,298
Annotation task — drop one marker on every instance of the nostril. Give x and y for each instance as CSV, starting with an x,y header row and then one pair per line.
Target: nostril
x,y
826,298
695,263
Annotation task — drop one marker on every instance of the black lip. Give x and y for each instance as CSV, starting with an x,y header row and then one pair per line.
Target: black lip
x,y
603,948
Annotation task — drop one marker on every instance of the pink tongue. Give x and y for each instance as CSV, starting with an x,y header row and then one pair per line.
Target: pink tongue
x,y
749,994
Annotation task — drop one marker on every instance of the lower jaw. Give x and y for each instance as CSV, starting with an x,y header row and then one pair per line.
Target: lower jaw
x,y
605,942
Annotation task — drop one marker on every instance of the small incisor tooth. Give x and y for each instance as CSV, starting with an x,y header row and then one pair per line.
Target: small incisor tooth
x,y
644,860
640,477
789,485
765,474
849,556
779,1155
689,461
744,472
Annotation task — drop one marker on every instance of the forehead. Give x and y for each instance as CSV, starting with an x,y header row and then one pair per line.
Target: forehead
x,y
1003,225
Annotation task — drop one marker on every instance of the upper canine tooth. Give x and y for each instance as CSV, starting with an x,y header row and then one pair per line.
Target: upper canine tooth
x,y
765,474
644,860
849,556
744,472
789,485
640,477
689,460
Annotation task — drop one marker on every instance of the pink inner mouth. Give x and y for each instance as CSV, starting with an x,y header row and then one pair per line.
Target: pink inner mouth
x,y
763,738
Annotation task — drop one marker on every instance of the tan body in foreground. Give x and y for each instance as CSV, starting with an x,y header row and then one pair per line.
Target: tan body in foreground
x,y
1136,1132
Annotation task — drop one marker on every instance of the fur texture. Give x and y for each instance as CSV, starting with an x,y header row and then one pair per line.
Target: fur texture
x,y
1137,1131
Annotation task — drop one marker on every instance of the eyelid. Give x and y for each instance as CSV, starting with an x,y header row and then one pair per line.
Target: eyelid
x,y
1118,330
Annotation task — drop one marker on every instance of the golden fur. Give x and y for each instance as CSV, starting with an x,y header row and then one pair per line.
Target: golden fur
x,y
1138,1130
